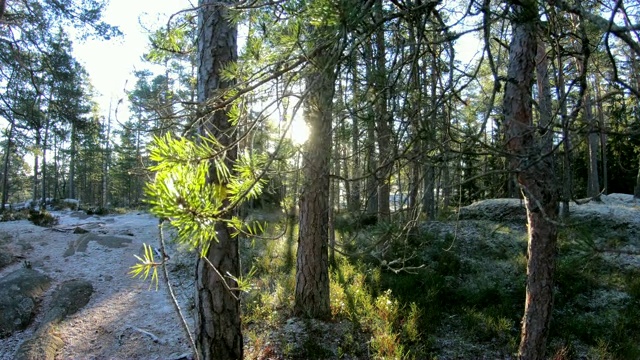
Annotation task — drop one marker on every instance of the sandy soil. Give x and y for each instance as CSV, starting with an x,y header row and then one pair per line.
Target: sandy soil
x,y
124,318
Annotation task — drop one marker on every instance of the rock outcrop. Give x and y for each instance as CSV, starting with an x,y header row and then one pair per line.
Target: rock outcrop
x,y
20,292
68,298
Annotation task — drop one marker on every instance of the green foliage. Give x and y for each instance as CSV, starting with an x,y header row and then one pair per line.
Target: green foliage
x,y
389,323
596,303
9,215
183,192
146,265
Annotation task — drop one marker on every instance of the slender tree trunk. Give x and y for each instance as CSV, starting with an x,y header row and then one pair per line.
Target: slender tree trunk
x,y
446,150
535,178
593,182
7,162
354,199
312,270
105,163
72,163
383,120
218,326
636,190
137,189
371,188
347,182
602,126
429,171
36,167
566,136
56,168
45,144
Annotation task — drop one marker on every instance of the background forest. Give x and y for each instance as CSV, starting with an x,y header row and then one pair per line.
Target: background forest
x,y
401,132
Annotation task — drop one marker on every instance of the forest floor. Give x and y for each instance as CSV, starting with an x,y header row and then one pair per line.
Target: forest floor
x,y
460,296
124,319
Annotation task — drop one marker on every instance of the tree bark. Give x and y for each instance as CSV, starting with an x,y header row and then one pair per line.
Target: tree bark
x,y
382,120
218,326
105,165
544,98
72,163
312,265
535,179
567,182
593,182
602,126
45,144
36,167
7,161
636,190
354,199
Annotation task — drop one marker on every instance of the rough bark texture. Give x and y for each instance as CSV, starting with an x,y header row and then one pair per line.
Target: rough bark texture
x,y
382,120
218,327
535,178
544,98
312,267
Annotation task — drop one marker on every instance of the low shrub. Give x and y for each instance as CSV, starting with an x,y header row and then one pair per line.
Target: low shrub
x,y
42,218
9,215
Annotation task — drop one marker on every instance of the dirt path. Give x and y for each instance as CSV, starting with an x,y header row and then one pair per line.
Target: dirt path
x,y
123,319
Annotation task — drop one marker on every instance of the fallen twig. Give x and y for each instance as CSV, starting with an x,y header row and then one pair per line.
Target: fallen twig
x,y
152,336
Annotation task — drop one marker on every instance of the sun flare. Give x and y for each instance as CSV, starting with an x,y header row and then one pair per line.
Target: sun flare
x,y
299,130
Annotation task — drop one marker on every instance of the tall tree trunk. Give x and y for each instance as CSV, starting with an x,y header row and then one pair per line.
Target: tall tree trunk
x,y
71,194
218,326
382,120
45,144
56,168
446,150
105,163
602,126
372,165
7,162
593,182
354,199
636,190
312,266
36,167
371,188
567,182
535,178
137,189
429,171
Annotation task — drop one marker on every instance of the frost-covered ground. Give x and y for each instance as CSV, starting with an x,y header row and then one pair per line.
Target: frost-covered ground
x,y
124,319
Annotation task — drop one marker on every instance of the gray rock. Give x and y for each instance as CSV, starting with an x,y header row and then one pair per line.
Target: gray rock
x,y
19,294
6,258
68,298
495,210
79,230
81,244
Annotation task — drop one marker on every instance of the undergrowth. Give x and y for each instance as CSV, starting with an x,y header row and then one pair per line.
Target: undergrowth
x,y
461,296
